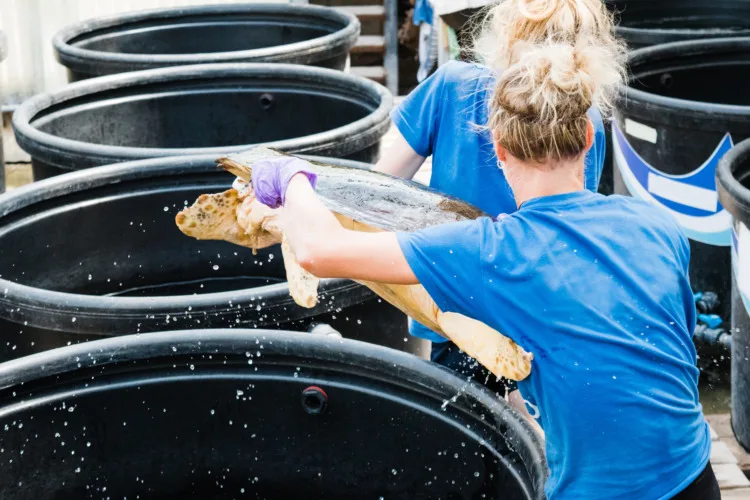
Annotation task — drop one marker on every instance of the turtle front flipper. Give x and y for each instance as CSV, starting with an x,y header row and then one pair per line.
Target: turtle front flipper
x,y
303,286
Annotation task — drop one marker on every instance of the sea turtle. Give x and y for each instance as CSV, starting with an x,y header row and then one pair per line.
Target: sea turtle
x,y
362,200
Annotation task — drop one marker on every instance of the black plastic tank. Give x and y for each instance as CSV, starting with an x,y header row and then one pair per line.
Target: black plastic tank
x,y
733,176
3,55
255,414
97,253
642,23
686,104
295,34
203,109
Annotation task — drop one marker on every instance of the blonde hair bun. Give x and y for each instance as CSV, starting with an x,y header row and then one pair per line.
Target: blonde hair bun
x,y
511,22
539,108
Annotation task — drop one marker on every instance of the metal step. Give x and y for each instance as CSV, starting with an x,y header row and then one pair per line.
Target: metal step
x,y
376,12
377,47
371,17
369,44
375,73
341,3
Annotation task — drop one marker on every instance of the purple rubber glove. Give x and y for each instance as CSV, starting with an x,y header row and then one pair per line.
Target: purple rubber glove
x,y
271,179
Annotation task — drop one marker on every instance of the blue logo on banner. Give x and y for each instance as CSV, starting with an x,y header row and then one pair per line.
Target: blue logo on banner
x,y
692,198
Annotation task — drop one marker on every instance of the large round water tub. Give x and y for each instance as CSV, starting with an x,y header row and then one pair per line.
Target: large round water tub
x,y
97,253
643,23
733,177
685,106
255,414
297,34
204,109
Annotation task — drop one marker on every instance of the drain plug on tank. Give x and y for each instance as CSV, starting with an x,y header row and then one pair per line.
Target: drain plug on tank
x,y
314,400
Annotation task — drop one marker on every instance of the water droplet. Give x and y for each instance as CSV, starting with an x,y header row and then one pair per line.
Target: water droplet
x,y
166,209
216,267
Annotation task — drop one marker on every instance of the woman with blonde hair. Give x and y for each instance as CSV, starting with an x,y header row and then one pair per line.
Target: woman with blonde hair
x,y
446,118
595,287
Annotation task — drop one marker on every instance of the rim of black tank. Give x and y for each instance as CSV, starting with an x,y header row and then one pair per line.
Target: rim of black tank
x,y
311,50
646,35
660,59
225,345
733,195
346,139
48,309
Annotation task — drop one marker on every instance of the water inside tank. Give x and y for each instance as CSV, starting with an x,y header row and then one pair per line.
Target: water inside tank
x,y
200,116
709,80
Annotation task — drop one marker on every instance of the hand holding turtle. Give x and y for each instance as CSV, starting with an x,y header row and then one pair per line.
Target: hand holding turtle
x,y
271,179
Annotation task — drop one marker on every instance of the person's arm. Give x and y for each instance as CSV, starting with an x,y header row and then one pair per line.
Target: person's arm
x,y
401,160
327,250
416,121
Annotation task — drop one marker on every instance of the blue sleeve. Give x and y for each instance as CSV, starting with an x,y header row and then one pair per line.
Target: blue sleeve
x,y
595,156
418,116
446,261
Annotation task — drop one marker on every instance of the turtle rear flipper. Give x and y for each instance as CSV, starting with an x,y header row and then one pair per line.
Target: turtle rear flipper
x,y
499,354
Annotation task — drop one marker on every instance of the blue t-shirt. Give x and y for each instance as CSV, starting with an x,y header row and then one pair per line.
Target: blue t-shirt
x,y
443,118
597,289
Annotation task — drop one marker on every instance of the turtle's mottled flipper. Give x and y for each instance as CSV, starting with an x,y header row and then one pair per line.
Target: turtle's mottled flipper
x,y
303,286
499,354
214,217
